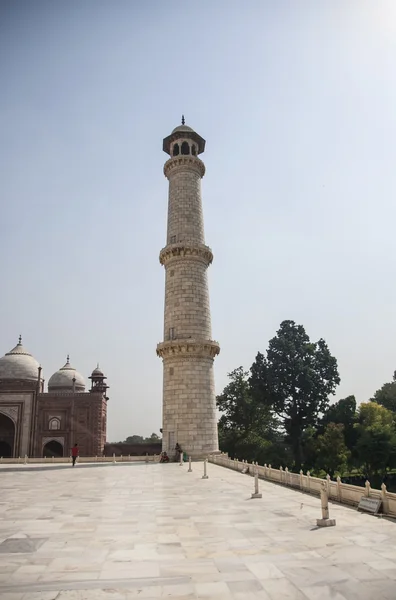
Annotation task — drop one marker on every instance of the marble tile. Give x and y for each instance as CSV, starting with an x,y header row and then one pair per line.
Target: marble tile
x,y
282,589
245,586
52,595
20,545
322,592
174,591
367,590
165,534
265,570
211,590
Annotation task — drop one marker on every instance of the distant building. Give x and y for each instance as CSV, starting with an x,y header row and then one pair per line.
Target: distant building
x,y
38,423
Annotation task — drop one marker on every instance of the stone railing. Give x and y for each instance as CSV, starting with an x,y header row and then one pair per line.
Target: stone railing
x,y
24,460
337,491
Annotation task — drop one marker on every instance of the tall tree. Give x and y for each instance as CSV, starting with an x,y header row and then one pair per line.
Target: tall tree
x,y
295,379
343,413
246,428
386,395
376,439
331,452
134,439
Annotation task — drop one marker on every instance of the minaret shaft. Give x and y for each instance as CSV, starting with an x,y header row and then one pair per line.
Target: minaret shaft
x,y
189,404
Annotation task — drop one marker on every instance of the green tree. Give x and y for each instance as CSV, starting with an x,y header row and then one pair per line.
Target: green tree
x,y
295,379
154,438
386,395
376,439
331,452
342,412
246,429
134,439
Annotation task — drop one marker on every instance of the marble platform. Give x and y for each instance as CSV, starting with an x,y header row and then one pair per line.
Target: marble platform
x,y
117,532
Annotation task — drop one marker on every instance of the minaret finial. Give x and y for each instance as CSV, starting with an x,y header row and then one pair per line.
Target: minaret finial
x,y
20,340
97,365
183,121
67,358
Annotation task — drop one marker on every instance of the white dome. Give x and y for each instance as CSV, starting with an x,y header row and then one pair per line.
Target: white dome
x,y
185,128
18,363
62,380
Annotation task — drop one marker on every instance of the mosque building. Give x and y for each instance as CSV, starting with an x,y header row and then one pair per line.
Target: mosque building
x,y
38,423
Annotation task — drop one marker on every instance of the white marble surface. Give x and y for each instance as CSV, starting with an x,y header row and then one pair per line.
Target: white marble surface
x,y
117,532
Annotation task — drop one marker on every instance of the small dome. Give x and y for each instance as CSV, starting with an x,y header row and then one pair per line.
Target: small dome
x,y
62,380
18,363
183,128
97,372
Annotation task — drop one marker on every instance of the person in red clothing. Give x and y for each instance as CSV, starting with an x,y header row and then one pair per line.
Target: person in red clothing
x,y
75,452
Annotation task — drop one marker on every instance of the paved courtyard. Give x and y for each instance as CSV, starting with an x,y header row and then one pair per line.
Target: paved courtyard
x,y
117,532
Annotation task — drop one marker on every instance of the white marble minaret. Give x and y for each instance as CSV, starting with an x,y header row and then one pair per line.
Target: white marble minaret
x,y
188,351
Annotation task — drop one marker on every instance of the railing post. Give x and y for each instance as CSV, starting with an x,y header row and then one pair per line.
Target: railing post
x,y
301,479
328,478
384,498
324,521
114,458
367,488
205,475
189,465
309,481
269,472
256,493
286,474
339,489
281,474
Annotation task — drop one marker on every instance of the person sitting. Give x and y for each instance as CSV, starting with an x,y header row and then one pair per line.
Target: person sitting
x,y
164,457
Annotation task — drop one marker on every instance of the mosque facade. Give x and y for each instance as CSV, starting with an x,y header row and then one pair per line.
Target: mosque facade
x,y
39,423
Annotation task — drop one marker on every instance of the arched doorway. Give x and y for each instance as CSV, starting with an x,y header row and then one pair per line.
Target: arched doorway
x,y
7,436
53,449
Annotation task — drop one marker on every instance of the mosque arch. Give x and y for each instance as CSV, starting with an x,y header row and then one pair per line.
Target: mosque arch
x,y
7,436
53,448
185,148
54,423
176,149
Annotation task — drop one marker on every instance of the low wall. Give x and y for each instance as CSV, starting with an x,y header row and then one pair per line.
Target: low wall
x,y
132,449
337,491
81,459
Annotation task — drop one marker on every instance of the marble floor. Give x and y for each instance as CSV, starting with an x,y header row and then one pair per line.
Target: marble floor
x,y
117,532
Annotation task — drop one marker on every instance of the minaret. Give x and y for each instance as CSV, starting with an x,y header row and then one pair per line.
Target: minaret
x,y
189,402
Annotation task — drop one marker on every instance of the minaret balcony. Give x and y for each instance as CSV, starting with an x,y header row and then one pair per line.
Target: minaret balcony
x,y
186,249
182,162
190,347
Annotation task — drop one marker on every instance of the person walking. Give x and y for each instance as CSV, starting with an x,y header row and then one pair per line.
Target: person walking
x,y
75,451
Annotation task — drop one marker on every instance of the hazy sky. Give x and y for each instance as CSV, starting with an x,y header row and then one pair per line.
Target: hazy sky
x,y
297,103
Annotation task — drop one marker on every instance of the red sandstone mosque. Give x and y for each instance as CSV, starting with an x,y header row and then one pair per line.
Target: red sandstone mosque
x,y
37,423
